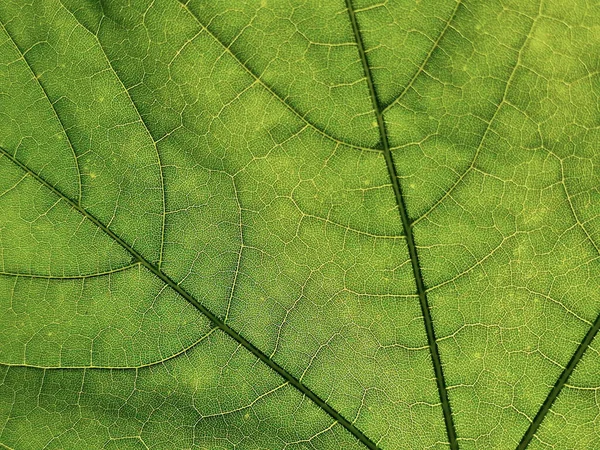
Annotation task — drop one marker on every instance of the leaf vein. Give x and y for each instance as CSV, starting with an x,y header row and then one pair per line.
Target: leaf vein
x,y
412,249
269,89
52,105
421,68
218,322
70,277
141,366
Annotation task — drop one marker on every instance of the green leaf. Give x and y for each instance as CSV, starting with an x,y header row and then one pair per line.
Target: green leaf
x,y
299,224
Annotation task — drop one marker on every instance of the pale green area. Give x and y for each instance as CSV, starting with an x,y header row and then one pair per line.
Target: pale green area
x,y
574,422
497,151
207,398
234,147
121,319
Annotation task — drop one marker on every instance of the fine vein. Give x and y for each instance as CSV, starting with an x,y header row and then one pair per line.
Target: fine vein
x,y
426,59
219,323
52,106
283,100
560,383
581,348
412,249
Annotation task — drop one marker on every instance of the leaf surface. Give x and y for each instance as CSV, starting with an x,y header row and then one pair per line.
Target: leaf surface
x,y
320,225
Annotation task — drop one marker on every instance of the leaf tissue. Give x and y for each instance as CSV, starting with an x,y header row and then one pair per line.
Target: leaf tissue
x,y
299,224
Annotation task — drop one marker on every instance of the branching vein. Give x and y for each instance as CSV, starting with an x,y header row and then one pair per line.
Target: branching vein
x,y
435,356
217,321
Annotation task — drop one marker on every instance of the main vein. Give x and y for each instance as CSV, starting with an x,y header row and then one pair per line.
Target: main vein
x,y
219,323
406,225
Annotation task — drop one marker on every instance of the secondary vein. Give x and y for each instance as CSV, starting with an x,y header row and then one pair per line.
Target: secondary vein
x,y
406,225
219,323
579,352
560,383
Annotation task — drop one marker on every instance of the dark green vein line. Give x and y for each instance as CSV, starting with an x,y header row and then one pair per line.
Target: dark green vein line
x,y
560,383
412,249
305,390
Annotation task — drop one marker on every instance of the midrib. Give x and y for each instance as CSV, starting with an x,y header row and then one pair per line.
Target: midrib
x,y
406,225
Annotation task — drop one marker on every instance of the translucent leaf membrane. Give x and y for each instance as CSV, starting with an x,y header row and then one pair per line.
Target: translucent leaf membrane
x,y
505,228
29,124
212,396
228,153
41,234
572,422
118,167
442,122
124,318
305,53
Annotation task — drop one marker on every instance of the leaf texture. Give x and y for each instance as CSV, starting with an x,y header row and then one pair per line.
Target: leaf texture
x,y
294,224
